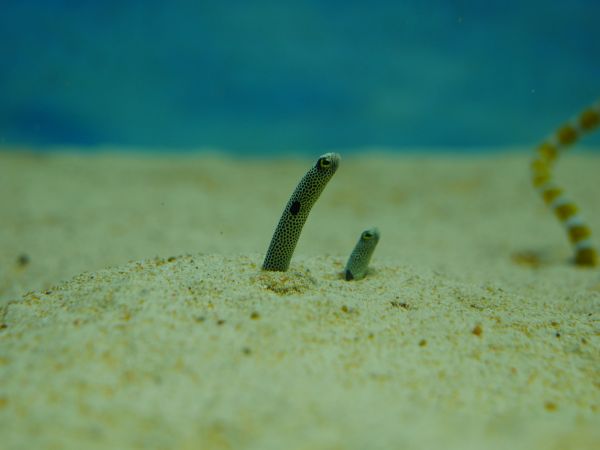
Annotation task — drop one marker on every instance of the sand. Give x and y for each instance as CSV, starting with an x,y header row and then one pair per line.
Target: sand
x,y
135,313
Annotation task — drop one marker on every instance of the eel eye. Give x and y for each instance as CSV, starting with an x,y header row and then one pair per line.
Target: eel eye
x,y
367,235
324,163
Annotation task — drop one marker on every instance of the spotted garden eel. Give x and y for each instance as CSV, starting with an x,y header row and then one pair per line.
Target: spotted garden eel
x,y
358,263
566,211
296,211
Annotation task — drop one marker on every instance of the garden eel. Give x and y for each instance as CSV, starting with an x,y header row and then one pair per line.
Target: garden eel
x,y
296,211
358,263
566,211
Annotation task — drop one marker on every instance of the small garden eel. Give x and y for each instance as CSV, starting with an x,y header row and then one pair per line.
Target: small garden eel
x,y
358,263
296,211
566,211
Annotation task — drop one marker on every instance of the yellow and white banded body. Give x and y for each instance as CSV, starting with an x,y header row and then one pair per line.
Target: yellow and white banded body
x,y
358,263
566,211
296,212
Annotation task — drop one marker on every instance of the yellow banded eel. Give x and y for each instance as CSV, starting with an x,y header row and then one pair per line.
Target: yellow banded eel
x,y
296,211
358,263
566,211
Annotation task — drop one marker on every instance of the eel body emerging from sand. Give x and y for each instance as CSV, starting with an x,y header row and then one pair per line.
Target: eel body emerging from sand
x,y
296,212
565,209
358,263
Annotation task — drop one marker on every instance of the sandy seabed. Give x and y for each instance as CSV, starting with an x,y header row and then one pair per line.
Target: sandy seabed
x,y
135,313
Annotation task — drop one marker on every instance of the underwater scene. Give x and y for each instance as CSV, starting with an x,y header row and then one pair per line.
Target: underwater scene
x,y
267,76
299,225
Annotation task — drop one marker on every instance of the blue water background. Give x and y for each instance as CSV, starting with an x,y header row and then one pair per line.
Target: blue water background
x,y
268,76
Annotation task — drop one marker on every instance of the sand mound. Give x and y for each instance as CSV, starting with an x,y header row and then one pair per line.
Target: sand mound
x,y
207,351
